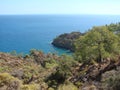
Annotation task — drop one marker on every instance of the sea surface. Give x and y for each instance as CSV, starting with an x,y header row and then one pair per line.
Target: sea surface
x,y
25,32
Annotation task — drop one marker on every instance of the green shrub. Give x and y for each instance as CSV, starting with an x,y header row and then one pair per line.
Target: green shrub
x,y
30,87
62,73
11,83
3,69
50,88
67,87
114,82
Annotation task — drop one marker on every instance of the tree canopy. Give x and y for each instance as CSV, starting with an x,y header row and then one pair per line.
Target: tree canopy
x,y
97,44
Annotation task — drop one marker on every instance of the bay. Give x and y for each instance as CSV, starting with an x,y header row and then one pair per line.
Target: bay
x,y
25,32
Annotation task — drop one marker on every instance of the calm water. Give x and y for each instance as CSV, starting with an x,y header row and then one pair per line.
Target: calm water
x,y
25,32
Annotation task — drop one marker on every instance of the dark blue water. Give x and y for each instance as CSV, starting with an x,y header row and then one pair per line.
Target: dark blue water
x,y
25,32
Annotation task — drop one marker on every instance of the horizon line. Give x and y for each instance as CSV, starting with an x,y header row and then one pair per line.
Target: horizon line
x,y
58,14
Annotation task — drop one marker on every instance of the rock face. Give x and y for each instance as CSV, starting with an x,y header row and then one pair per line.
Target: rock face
x,y
66,40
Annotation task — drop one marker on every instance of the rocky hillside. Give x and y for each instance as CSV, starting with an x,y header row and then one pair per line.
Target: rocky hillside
x,y
66,40
39,71
24,73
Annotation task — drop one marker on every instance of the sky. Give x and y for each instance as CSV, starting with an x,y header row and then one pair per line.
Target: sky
x,y
60,7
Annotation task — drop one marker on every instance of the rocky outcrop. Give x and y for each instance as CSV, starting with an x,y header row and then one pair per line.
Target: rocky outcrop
x,y
66,40
95,73
26,71
32,69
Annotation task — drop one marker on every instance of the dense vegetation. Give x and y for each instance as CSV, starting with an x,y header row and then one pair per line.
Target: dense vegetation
x,y
98,44
66,40
95,65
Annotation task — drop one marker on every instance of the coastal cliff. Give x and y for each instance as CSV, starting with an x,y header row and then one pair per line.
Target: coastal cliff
x,y
66,40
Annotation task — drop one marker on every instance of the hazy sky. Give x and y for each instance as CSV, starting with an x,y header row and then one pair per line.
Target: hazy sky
x,y
60,7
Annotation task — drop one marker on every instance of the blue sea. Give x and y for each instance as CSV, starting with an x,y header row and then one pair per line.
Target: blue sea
x,y
25,32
